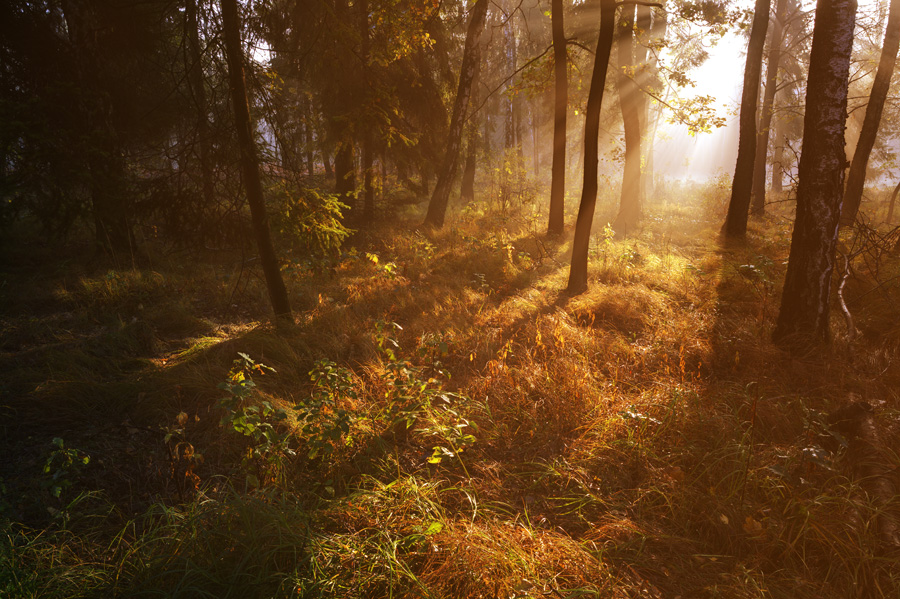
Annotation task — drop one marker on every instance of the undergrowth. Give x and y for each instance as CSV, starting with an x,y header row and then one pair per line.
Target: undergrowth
x,y
443,422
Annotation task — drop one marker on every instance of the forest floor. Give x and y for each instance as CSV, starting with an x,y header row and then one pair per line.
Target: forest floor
x,y
442,421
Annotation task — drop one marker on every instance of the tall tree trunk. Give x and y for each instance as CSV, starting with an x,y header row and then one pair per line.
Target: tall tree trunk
x,y
643,23
198,92
437,207
659,28
535,133
234,57
367,155
345,175
105,162
803,317
308,129
556,224
758,205
630,100
326,160
778,159
467,187
890,213
581,242
856,179
741,186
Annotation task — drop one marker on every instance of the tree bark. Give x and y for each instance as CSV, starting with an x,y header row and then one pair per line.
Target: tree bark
x,y
580,244
659,29
345,175
467,187
758,205
326,160
556,223
308,129
249,160
741,186
805,301
630,204
198,91
104,159
437,207
643,22
856,179
890,213
367,158
778,160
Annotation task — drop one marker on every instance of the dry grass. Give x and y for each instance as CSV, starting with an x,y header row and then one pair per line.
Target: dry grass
x,y
644,439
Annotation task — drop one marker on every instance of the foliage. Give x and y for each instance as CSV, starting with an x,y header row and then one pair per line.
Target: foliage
x,y
62,466
411,396
310,222
268,441
511,185
323,423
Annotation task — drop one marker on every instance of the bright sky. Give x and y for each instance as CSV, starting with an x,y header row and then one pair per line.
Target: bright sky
x,y
677,154
705,155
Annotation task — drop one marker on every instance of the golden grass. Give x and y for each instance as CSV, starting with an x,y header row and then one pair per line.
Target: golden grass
x,y
642,439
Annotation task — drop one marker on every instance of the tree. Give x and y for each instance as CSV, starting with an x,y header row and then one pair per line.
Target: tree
x,y
758,205
437,207
560,107
578,270
630,204
104,155
657,42
741,186
250,161
197,87
856,178
805,300
367,159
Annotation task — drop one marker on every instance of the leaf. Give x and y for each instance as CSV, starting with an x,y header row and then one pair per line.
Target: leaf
x,y
753,527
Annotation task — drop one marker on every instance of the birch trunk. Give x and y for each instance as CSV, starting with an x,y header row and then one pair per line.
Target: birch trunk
x,y
803,317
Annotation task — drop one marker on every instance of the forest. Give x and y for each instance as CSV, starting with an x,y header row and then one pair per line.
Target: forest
x,y
495,299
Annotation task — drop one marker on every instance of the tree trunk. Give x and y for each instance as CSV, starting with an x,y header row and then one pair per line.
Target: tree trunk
x,y
778,160
467,188
104,159
803,317
326,160
249,161
741,186
581,242
630,205
856,179
659,29
308,129
198,91
890,213
367,158
345,175
758,205
556,224
643,23
437,207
